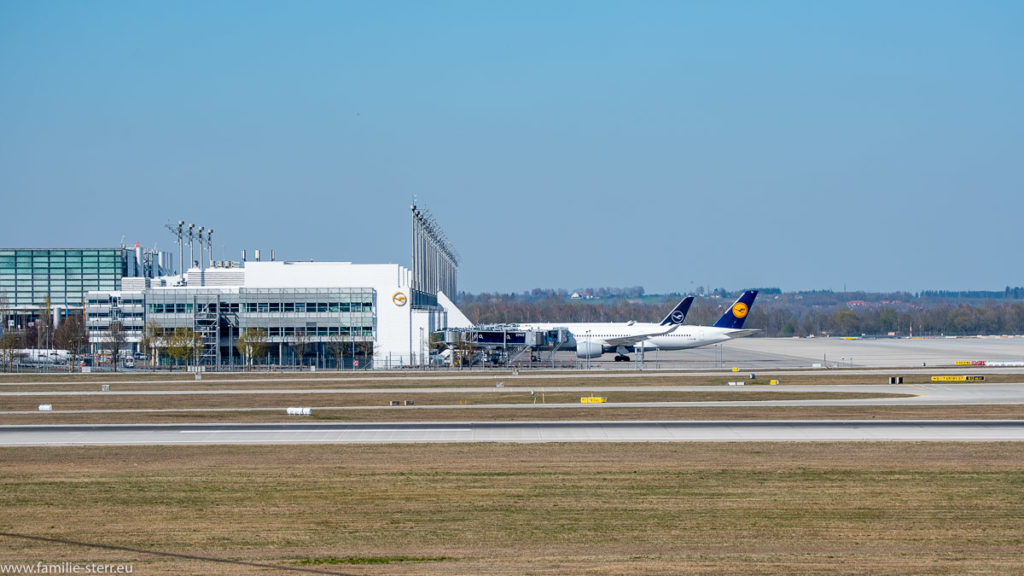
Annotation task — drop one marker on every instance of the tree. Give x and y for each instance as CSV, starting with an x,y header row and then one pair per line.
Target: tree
x,y
152,340
10,342
72,336
183,345
465,349
251,344
44,328
300,341
337,345
5,311
115,341
364,348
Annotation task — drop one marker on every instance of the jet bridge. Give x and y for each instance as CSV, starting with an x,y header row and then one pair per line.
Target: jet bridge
x,y
504,344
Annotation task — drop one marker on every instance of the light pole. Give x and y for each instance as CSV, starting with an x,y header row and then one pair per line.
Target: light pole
x,y
588,350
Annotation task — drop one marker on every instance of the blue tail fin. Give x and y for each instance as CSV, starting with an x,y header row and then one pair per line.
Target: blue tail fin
x,y
737,313
678,314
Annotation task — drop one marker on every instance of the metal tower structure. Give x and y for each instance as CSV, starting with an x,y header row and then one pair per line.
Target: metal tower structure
x,y
179,232
435,262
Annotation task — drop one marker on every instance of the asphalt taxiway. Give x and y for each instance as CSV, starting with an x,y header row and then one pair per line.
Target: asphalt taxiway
x,y
520,432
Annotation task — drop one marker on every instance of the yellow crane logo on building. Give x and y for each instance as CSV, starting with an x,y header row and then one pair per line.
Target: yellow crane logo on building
x,y
399,298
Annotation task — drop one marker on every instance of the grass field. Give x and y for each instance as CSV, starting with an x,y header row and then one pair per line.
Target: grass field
x,y
353,397
689,508
863,508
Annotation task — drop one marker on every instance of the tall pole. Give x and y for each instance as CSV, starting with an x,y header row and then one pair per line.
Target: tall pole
x,y
201,228
181,250
191,253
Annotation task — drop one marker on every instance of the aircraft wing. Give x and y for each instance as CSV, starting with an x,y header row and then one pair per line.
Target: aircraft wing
x,y
632,339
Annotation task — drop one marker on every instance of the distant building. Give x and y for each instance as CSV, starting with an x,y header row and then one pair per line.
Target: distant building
x,y
32,278
333,314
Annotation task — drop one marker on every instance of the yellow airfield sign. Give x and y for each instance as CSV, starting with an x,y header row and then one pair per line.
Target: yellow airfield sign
x,y
958,378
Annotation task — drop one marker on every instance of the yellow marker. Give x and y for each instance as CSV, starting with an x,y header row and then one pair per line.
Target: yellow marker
x,y
735,369
773,382
593,400
958,378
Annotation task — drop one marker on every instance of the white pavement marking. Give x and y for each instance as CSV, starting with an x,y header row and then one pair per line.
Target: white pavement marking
x,y
527,432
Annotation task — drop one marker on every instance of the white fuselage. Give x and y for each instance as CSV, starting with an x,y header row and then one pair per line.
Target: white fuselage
x,y
604,333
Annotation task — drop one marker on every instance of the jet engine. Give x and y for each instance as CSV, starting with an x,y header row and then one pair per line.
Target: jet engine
x,y
588,349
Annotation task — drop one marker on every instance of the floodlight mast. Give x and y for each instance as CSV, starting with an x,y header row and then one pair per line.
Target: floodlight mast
x,y
177,231
201,229
181,249
434,260
191,252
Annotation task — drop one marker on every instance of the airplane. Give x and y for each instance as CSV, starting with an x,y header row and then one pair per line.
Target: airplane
x,y
593,340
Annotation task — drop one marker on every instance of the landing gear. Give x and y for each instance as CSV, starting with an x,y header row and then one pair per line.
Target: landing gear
x,y
622,358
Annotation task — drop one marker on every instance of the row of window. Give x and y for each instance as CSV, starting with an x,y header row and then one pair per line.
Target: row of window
x,y
180,308
38,253
123,315
74,279
290,332
59,278
268,307
21,259
42,267
9,262
102,330
307,307
186,307
322,331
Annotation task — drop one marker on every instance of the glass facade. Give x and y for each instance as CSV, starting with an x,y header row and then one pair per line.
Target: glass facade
x,y
29,276
318,317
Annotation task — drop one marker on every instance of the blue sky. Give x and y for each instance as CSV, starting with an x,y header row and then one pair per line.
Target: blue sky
x,y
805,145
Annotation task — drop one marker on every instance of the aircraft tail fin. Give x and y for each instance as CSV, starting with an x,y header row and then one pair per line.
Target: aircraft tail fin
x,y
678,314
737,313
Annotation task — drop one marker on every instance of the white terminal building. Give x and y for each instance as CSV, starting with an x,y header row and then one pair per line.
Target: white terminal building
x,y
326,314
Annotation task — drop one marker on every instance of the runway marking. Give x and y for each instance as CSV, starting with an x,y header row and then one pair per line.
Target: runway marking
x,y
375,430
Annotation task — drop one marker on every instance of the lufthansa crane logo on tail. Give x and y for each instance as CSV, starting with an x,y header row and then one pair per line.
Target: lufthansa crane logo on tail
x,y
678,317
399,299
739,310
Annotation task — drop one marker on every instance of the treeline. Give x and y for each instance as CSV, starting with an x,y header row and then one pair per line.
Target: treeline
x,y
815,313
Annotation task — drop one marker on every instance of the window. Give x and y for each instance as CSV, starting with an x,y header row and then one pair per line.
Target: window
x,y
289,306
275,307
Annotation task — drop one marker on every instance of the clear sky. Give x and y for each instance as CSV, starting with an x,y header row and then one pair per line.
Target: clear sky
x,y
805,145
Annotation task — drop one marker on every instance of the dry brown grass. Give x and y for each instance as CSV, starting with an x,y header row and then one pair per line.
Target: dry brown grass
x,y
114,401
527,509
584,413
312,381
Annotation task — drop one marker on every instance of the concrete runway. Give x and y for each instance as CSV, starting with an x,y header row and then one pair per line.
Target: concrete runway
x,y
519,432
756,353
